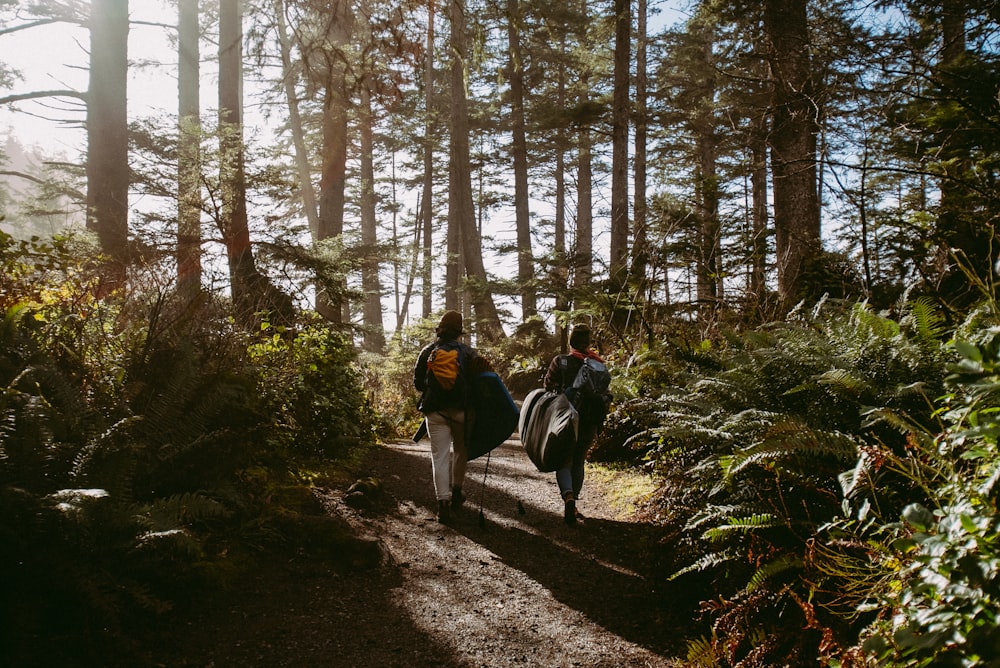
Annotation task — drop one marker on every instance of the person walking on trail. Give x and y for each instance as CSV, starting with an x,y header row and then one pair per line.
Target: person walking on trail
x,y
591,400
442,374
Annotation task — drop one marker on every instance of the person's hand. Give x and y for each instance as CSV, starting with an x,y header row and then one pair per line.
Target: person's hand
x,y
480,364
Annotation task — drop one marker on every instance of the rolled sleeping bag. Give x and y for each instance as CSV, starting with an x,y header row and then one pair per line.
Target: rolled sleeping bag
x,y
549,427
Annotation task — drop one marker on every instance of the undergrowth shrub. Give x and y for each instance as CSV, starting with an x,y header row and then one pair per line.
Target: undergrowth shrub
x,y
143,449
750,440
388,381
930,573
310,382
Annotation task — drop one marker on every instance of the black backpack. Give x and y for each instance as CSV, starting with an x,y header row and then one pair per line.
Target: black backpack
x,y
589,389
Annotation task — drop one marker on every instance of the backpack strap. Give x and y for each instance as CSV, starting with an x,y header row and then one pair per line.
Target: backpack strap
x,y
563,369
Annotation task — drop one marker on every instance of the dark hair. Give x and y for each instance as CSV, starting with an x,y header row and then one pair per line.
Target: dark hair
x,y
579,338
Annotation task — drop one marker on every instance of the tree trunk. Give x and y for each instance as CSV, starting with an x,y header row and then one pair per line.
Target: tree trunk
x,y
640,250
583,256
793,144
306,191
708,266
559,255
461,213
758,181
619,142
189,150
961,230
107,133
234,223
427,198
519,151
374,332
333,180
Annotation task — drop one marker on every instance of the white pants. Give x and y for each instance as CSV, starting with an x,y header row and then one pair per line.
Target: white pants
x,y
447,430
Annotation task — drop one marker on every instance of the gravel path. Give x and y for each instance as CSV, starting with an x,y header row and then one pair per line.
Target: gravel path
x,y
520,588
517,589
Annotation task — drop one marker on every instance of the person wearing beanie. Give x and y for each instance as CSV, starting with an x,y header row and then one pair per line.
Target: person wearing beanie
x,y
442,375
592,410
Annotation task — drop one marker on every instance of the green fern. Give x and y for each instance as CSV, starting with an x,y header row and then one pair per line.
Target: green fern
x,y
788,440
707,562
766,572
703,653
741,525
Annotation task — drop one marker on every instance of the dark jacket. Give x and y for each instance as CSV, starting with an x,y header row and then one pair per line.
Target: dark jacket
x,y
433,398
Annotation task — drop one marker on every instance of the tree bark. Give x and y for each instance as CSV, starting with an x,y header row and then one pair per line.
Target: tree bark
x,y
708,266
793,143
189,150
619,142
758,218
374,332
583,255
107,133
519,154
427,196
333,180
559,255
461,213
640,250
306,191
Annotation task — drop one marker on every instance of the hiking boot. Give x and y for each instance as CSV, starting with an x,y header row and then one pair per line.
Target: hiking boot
x,y
457,498
569,511
444,511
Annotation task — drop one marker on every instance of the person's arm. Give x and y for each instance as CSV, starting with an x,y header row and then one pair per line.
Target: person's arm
x,y
553,377
420,370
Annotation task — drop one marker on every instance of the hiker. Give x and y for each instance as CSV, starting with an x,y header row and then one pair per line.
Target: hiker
x,y
442,376
592,407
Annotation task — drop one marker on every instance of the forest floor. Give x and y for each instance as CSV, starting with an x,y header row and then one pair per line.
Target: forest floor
x,y
514,586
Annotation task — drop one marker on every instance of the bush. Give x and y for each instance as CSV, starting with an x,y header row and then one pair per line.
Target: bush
x,y
309,380
939,584
750,442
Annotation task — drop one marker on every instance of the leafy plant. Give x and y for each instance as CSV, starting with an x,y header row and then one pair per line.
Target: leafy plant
x,y
310,382
940,592
750,441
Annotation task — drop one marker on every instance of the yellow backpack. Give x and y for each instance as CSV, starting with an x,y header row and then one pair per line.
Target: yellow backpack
x,y
445,364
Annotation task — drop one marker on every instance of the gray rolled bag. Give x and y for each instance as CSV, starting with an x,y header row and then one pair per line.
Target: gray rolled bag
x,y
548,426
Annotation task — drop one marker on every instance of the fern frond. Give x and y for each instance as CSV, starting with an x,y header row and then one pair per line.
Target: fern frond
x,y
786,440
180,510
706,562
928,322
741,525
702,653
710,514
843,381
770,569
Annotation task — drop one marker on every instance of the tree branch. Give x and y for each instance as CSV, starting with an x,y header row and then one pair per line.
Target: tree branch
x,y
42,94
72,193
25,26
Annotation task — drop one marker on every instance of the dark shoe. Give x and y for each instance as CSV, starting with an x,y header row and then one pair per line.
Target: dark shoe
x,y
569,512
444,511
457,498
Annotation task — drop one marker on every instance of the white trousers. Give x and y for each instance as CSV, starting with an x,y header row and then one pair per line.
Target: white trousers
x,y
446,430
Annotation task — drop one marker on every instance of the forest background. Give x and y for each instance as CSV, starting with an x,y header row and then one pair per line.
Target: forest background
x,y
778,217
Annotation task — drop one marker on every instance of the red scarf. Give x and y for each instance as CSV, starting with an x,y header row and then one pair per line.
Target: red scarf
x,y
582,356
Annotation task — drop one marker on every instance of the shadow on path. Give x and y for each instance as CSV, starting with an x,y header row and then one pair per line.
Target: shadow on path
x,y
596,568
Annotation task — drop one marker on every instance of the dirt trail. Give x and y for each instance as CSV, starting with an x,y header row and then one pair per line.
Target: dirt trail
x,y
521,589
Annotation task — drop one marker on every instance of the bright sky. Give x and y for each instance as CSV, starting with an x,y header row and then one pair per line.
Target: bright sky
x,y
56,57
62,62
